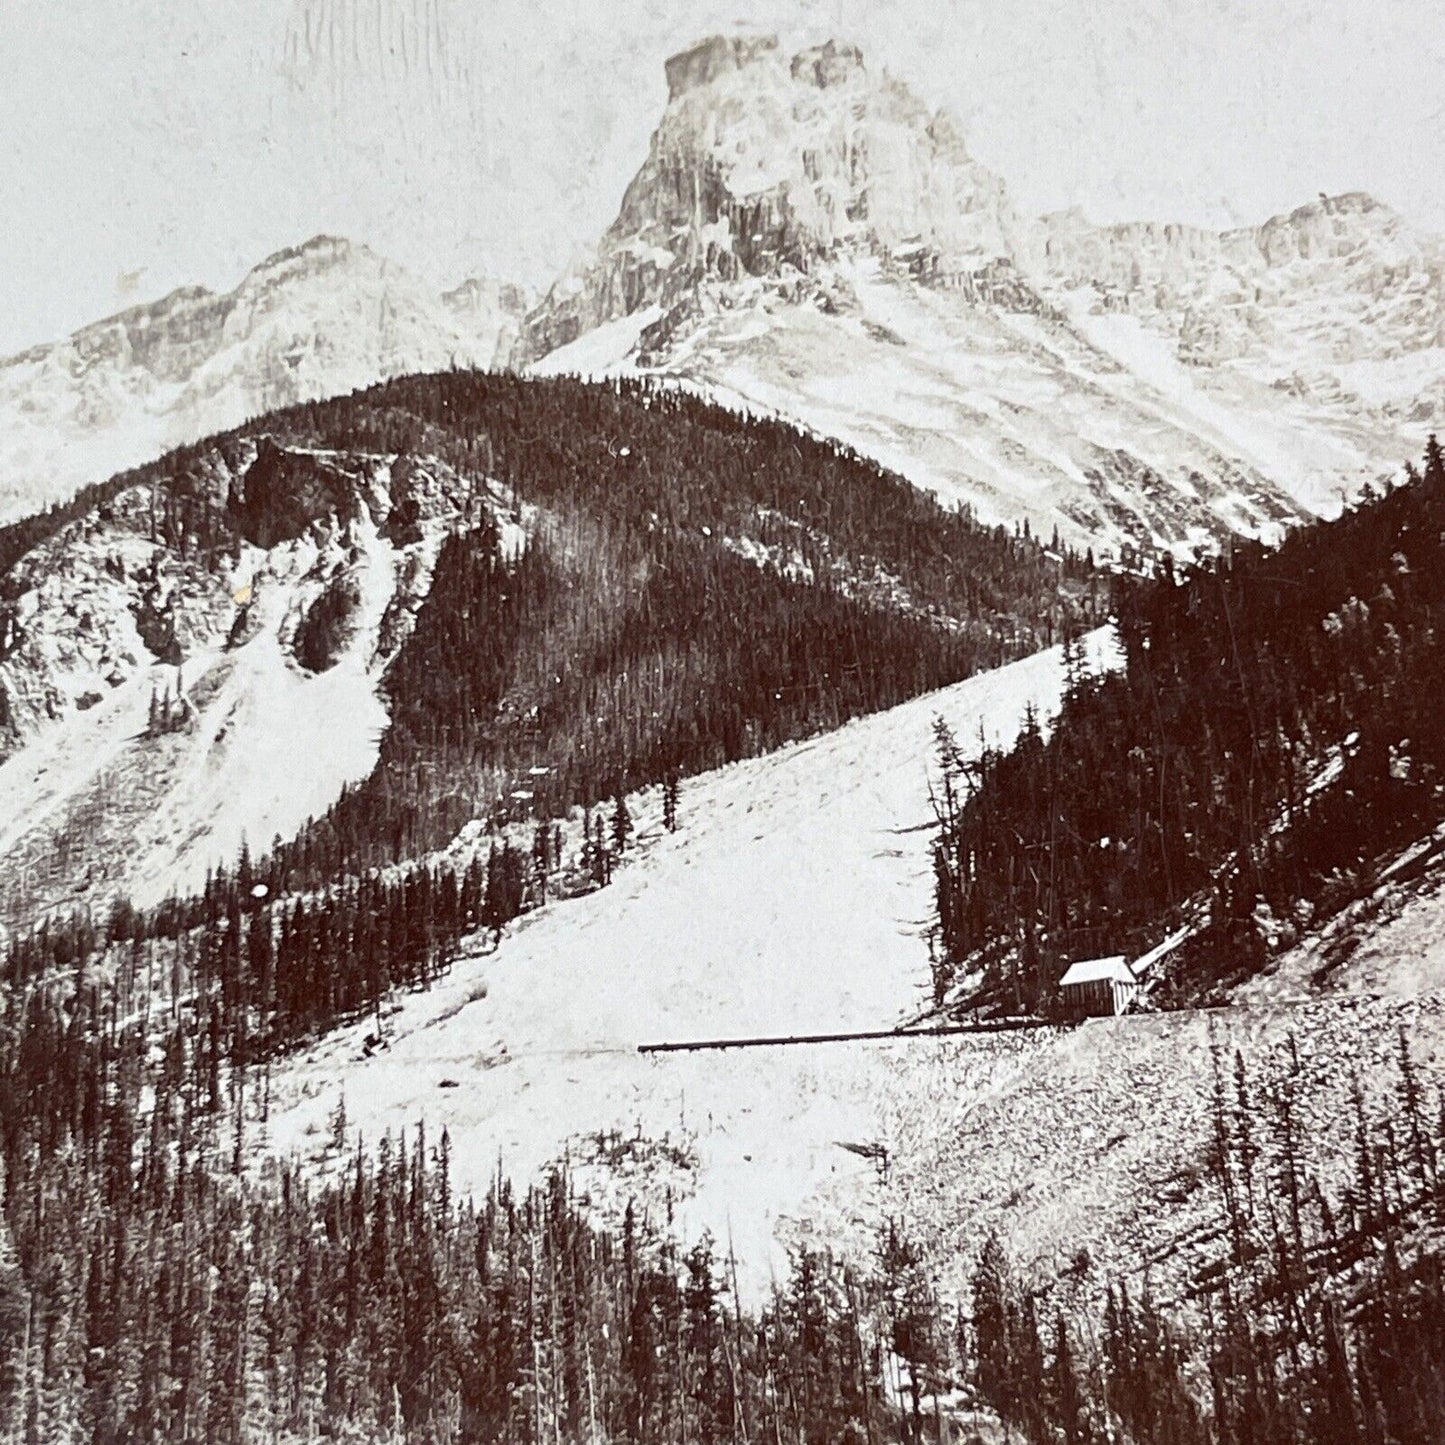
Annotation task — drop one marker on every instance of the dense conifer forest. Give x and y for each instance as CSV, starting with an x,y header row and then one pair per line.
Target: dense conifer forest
x,y
155,1287
699,586
268,970
1274,735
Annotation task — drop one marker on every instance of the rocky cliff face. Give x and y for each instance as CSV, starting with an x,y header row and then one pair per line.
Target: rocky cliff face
x,y
166,693
805,235
311,321
1341,280
766,165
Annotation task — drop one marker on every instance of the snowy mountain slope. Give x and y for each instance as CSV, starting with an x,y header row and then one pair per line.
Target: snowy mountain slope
x,y
156,811
159,707
793,899
317,320
1013,413
805,236
1343,280
1086,1151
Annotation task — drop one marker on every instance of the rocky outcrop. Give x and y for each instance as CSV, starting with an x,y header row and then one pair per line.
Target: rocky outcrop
x,y
292,533
284,492
718,55
829,64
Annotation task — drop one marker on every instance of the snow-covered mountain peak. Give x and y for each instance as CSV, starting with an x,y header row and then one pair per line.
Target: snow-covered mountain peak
x,y
806,236
829,64
313,320
824,150
769,165
1331,220
169,337
319,251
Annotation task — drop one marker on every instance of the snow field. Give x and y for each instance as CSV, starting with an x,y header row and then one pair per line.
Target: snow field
x,y
793,899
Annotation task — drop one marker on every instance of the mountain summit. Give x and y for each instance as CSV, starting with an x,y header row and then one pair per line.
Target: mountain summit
x,y
807,236
310,321
768,165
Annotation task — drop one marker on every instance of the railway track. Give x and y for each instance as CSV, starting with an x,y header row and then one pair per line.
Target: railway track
x,y
777,1041
982,1026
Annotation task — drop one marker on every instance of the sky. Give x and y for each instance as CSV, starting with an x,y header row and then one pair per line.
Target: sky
x,y
147,144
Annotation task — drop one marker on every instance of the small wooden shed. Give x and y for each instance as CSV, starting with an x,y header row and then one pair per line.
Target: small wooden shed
x,y
1098,987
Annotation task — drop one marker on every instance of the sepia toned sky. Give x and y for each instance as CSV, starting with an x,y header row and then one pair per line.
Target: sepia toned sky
x,y
146,144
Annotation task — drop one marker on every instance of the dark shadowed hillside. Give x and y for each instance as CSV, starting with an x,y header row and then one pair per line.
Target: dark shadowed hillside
x,y
694,586
1275,734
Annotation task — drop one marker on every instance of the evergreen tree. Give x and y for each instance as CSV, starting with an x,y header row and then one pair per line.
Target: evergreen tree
x,y
621,824
993,1352
1434,476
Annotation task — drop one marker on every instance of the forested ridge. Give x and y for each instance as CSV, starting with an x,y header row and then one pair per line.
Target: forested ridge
x,y
1275,733
700,586
695,586
632,585
266,970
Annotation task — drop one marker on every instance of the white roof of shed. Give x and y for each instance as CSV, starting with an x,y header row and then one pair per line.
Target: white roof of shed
x,y
1095,970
